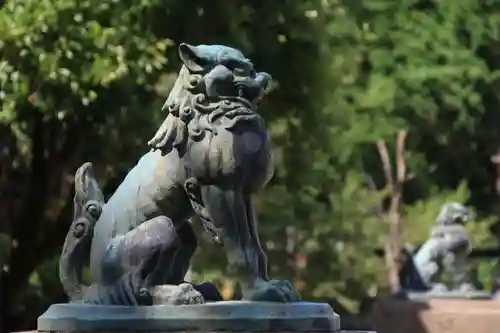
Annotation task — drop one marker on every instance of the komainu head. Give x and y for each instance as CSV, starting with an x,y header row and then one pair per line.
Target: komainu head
x,y
221,72
453,213
217,87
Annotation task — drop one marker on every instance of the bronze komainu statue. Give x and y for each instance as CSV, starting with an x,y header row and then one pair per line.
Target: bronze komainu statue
x,y
445,251
208,157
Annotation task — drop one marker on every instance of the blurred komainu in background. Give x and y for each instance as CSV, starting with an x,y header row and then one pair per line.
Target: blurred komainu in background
x,y
445,251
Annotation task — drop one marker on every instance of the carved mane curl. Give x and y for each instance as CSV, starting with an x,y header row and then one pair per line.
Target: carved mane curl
x,y
191,114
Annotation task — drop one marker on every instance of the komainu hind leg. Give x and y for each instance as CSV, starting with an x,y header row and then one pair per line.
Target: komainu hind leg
x,y
88,202
136,266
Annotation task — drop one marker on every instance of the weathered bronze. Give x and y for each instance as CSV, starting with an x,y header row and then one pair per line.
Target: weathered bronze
x,y
208,157
445,251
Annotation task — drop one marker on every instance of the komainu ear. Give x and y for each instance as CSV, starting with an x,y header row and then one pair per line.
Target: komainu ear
x,y
264,81
191,58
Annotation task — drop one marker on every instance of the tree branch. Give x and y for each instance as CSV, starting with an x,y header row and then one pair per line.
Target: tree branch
x,y
393,243
400,160
386,163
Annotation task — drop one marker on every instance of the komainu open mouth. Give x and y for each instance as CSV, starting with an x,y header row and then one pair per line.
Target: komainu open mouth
x,y
230,121
228,117
240,112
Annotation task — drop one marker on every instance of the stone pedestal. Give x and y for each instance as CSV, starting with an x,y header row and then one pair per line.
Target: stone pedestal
x,y
430,315
212,317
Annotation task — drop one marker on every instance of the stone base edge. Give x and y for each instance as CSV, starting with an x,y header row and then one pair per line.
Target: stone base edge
x,y
233,316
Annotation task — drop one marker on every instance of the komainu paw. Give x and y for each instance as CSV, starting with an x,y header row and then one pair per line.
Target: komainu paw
x,y
182,294
466,287
275,291
439,287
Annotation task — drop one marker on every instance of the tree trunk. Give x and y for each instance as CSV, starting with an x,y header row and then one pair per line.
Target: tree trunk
x,y
393,242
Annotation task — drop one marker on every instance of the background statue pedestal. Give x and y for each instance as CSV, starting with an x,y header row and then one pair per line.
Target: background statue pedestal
x,y
230,316
436,315
457,295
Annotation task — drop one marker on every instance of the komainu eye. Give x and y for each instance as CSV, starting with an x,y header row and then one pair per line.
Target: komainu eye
x,y
238,68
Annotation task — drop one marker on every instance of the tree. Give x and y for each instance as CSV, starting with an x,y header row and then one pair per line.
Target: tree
x,y
68,71
427,67
393,244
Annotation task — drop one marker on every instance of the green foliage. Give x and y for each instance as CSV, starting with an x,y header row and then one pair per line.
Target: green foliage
x,y
346,235
75,79
100,67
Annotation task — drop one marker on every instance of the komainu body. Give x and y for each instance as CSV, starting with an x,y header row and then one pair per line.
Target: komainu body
x,y
207,159
445,251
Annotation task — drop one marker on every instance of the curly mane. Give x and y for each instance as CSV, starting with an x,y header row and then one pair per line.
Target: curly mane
x,y
191,114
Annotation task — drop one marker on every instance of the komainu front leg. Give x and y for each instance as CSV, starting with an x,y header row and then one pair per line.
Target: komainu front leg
x,y
268,290
231,212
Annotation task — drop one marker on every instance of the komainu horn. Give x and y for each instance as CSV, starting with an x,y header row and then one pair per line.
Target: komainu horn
x,y
211,153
